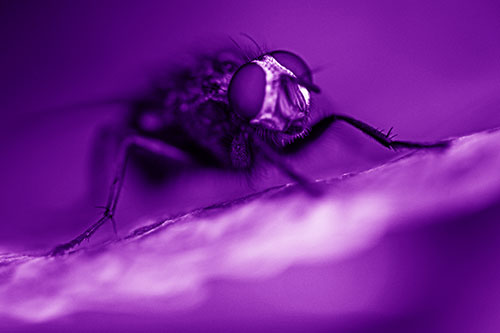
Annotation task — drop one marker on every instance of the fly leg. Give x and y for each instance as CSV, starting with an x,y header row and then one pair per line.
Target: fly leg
x,y
277,160
385,139
154,146
104,150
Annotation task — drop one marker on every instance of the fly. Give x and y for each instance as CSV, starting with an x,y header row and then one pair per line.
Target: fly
x,y
228,112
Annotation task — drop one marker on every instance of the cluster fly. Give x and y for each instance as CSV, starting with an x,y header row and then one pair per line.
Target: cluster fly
x,y
227,112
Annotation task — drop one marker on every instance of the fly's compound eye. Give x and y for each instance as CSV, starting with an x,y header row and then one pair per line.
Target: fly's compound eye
x,y
247,90
297,66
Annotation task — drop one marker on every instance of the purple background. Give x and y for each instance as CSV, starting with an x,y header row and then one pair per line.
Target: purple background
x,y
431,69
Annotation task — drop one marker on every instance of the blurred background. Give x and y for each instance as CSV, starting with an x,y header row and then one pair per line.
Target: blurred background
x,y
431,69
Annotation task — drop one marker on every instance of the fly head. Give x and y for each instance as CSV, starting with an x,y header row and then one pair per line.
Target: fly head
x,y
273,94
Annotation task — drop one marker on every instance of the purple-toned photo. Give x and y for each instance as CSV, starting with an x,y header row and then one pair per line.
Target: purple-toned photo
x,y
250,166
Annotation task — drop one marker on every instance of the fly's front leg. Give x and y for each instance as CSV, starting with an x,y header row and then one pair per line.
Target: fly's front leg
x,y
385,139
154,146
278,161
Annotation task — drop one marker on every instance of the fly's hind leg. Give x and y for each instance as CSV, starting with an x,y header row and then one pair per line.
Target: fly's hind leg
x,y
154,146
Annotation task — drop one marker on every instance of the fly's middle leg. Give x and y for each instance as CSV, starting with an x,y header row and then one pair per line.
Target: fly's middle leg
x,y
151,145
